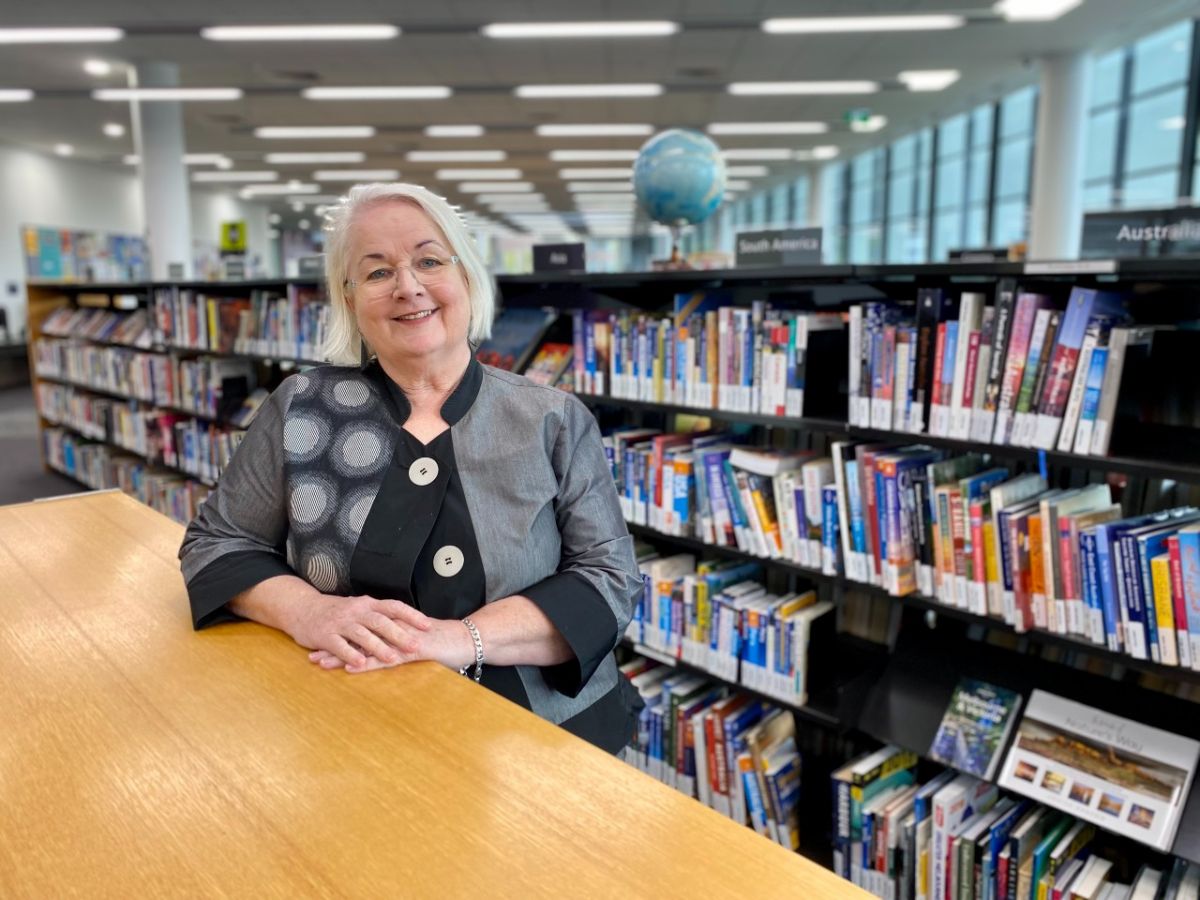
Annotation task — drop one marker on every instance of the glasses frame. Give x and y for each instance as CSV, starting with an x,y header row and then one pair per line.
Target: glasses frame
x,y
452,260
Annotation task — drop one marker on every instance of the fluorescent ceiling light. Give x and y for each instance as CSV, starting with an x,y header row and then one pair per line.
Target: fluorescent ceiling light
x,y
509,198
779,88
759,153
1034,10
347,156
300,32
356,175
539,91
847,24
64,149
735,185
230,177
97,67
274,219
454,131
593,155
462,156
151,94
608,187
579,29
814,153
297,206
208,159
869,124
15,95
928,79
292,187
1171,123
471,174
606,200
747,171
575,174
321,131
600,130
114,129
496,187
768,128
59,35
397,92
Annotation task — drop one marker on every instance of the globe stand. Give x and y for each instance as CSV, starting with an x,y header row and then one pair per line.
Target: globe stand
x,y
676,262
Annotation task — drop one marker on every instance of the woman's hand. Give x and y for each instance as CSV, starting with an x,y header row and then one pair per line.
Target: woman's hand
x,y
353,630
445,641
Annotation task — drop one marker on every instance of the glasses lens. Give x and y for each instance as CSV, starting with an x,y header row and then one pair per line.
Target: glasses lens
x,y
428,270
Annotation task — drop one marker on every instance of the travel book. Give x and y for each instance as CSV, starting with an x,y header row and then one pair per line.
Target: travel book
x,y
975,727
1126,777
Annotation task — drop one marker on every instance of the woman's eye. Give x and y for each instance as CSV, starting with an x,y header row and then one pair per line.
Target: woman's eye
x,y
379,274
428,262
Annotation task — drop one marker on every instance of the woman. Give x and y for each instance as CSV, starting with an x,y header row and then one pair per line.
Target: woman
x,y
424,506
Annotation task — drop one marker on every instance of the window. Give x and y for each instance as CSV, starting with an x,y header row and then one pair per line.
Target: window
x,y
833,205
1136,122
908,198
1014,163
867,183
800,194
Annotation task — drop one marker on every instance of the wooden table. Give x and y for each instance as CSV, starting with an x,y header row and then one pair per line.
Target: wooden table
x,y
138,758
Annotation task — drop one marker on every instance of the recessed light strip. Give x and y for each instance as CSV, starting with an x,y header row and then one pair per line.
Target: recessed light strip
x,y
60,35
336,156
579,29
768,128
788,88
454,131
460,156
383,92
851,24
15,95
541,91
476,174
230,177
280,132
300,32
165,94
356,175
598,130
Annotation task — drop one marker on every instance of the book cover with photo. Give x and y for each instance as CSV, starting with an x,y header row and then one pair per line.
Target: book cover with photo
x,y
1122,775
975,727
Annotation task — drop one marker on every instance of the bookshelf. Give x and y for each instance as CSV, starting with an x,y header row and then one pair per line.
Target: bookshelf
x,y
882,691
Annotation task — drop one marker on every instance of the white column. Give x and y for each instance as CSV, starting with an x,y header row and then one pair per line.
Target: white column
x,y
1056,205
159,144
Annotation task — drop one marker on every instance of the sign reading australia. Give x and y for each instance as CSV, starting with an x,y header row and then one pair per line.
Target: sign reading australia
x,y
1141,232
794,247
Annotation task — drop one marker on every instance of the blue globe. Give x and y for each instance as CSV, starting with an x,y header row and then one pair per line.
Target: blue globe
x,y
679,177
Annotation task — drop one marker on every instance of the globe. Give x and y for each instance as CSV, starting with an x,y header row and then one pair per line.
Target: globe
x,y
679,177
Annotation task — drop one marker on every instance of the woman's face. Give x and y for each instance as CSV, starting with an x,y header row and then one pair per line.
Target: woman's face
x,y
409,299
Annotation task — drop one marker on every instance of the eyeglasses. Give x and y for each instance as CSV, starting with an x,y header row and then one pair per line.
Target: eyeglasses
x,y
427,270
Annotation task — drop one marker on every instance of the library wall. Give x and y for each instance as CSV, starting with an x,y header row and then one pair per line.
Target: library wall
x,y
44,190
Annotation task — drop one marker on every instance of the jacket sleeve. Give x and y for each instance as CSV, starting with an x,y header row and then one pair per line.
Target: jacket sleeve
x,y
590,598
239,535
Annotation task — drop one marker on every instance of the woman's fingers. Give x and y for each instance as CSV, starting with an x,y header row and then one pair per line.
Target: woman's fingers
x,y
394,633
372,644
402,612
339,647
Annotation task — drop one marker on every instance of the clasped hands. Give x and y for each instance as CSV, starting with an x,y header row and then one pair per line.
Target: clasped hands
x,y
364,633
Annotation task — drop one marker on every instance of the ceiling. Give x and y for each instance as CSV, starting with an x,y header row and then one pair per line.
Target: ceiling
x,y
718,43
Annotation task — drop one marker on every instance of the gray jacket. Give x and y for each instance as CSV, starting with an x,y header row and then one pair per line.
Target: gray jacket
x,y
537,486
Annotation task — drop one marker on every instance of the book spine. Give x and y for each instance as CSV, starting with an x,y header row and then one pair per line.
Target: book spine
x,y
1189,569
1110,388
1014,367
1074,406
1091,400
1164,608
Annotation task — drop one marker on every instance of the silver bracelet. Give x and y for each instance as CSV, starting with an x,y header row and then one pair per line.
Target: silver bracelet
x,y
478,651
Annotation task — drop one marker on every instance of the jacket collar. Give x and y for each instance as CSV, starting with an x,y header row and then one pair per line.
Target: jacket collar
x,y
453,409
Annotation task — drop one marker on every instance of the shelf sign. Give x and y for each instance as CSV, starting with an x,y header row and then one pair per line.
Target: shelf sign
x,y
235,268
176,271
558,258
1141,233
233,238
788,247
311,267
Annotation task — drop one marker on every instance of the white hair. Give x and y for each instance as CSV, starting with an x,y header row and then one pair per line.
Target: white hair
x,y
343,340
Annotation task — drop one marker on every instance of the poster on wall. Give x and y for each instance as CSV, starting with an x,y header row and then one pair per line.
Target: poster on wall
x,y
53,254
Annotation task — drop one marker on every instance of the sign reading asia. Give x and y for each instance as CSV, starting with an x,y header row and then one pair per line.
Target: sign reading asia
x,y
792,247
1141,232
558,258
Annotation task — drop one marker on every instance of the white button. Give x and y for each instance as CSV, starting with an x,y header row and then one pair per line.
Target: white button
x,y
423,471
448,561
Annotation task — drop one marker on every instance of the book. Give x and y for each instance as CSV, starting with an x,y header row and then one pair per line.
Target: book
x,y
549,363
1126,777
975,727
